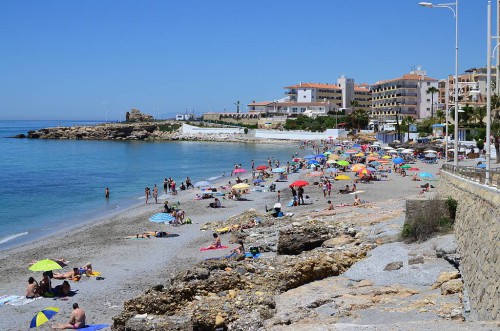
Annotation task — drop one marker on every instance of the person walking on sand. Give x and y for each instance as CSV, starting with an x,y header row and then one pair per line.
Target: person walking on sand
x,y
106,193
300,193
155,194
279,196
146,193
76,319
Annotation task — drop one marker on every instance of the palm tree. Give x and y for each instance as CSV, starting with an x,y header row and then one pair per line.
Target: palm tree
x,y
432,90
478,114
441,116
407,121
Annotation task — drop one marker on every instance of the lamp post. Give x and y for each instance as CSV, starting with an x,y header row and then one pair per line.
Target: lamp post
x,y
455,15
488,92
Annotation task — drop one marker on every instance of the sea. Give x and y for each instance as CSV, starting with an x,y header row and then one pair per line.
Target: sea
x,y
49,185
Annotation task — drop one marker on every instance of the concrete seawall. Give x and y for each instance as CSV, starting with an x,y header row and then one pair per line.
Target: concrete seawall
x,y
477,229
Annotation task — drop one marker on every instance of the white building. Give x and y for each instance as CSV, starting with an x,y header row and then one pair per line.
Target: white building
x,y
184,117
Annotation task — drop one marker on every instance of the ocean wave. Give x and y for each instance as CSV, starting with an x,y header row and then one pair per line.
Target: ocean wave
x,y
213,178
12,236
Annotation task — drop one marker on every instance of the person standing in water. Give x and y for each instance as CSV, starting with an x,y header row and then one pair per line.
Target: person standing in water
x,y
106,193
146,193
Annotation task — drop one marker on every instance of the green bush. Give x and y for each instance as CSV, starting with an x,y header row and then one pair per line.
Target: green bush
x,y
452,207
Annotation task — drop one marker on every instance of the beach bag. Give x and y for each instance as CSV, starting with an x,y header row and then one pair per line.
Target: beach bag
x,y
188,221
254,250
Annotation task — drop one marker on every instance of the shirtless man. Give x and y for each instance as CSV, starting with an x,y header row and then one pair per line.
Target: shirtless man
x,y
32,291
357,200
330,205
76,320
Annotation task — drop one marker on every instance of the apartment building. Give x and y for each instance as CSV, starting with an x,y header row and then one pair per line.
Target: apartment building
x,y
340,95
471,88
405,95
312,109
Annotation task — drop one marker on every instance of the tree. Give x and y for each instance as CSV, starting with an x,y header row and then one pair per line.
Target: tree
x,y
432,90
357,119
478,114
354,104
406,122
441,115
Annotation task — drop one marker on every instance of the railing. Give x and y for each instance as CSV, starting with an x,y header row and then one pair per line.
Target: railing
x,y
481,176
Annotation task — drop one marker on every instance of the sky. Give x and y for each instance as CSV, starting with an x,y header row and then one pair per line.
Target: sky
x,y
97,59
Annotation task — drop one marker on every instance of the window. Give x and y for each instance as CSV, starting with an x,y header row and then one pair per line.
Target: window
x,y
428,100
304,96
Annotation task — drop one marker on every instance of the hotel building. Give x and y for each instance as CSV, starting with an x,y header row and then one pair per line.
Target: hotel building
x,y
406,95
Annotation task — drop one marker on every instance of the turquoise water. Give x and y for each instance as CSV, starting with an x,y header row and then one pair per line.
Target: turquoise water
x,y
46,185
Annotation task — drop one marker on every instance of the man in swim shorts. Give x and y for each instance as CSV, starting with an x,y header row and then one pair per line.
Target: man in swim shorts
x,y
76,320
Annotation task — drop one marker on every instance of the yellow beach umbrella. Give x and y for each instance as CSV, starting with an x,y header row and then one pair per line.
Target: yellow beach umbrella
x,y
386,157
333,157
331,161
343,177
357,167
359,154
241,186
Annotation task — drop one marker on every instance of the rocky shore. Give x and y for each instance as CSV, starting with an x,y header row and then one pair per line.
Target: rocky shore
x,y
146,131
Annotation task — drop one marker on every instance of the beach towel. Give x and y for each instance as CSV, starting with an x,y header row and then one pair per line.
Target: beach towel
x,y
223,230
211,249
94,327
95,273
359,191
7,298
290,204
161,218
248,254
21,301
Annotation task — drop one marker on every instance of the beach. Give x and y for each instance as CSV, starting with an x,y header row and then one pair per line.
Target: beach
x,y
131,266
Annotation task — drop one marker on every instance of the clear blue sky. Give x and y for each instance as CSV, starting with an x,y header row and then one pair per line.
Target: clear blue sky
x,y
62,59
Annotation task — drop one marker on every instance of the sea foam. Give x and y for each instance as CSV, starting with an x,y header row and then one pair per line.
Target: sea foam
x,y
3,240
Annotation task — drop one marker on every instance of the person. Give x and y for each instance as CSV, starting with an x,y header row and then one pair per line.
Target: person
x,y
238,251
32,290
182,187
300,195
45,286
357,200
215,204
165,185
217,243
415,178
106,193
166,208
63,290
76,319
354,189
330,205
86,269
146,193
155,194
73,274
279,196
188,183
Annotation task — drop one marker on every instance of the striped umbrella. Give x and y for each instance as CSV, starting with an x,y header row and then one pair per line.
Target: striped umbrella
x,y
43,316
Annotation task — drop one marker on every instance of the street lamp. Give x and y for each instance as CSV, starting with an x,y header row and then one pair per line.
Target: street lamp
x,y
455,15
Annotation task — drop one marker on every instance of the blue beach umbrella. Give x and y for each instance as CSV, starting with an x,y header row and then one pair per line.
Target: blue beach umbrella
x,y
425,175
43,316
320,156
334,170
398,160
374,163
258,180
312,162
309,157
278,170
371,169
482,166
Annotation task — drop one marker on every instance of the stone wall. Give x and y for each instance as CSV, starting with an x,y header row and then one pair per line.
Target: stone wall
x,y
477,230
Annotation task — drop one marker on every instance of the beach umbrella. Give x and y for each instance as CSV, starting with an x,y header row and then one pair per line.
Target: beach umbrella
x,y
351,151
296,159
262,167
293,163
364,172
359,154
312,162
258,180
414,169
334,157
332,170
388,148
239,170
299,183
320,156
241,186
392,151
481,166
406,166
357,167
331,161
426,175
278,170
398,160
356,146
375,163
309,157
430,151
43,316
202,183
327,153
386,157
371,158
316,173
342,177
371,169
430,155
47,265
343,163
481,159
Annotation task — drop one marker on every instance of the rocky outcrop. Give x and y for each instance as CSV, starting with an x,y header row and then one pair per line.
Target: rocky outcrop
x,y
135,115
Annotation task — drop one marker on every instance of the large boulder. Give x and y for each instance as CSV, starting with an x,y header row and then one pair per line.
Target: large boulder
x,y
135,115
301,237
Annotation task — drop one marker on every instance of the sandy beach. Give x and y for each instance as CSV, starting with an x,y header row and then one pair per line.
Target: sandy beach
x,y
129,267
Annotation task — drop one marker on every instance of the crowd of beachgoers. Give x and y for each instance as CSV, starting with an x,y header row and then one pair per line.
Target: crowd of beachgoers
x,y
132,249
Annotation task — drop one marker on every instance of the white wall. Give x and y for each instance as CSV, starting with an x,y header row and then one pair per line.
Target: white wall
x,y
305,96
297,135
189,129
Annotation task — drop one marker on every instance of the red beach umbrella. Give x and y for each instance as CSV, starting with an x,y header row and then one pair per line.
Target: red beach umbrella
x,y
239,170
262,167
299,183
